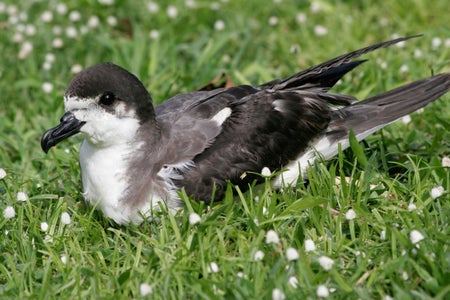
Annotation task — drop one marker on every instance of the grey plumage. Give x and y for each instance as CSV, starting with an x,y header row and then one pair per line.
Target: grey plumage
x,y
199,141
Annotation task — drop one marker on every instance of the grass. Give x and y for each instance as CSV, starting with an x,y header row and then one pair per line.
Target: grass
x,y
379,178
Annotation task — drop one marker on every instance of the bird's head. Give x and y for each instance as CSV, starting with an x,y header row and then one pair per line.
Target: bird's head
x,y
104,102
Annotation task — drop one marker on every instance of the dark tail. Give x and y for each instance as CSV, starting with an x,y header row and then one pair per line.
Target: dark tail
x,y
367,116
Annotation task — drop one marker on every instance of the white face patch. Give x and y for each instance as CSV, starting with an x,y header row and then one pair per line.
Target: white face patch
x,y
103,128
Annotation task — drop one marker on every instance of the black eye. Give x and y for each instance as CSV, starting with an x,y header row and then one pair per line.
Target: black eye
x,y
107,99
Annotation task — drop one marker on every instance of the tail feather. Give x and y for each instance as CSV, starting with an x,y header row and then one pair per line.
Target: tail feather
x,y
367,116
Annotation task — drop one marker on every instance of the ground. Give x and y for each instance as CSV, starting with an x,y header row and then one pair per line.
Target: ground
x,y
372,223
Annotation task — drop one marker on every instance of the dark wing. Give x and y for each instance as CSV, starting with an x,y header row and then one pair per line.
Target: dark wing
x,y
266,129
269,127
189,122
325,75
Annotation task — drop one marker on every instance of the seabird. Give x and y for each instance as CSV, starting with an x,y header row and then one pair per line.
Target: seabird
x,y
136,156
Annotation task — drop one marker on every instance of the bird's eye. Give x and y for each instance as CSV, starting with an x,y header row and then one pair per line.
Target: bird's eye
x,y
107,99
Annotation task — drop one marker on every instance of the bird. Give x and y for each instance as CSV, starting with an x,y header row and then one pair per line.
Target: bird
x,y
136,157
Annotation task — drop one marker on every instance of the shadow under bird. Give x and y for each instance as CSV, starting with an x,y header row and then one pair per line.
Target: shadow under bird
x,y
136,156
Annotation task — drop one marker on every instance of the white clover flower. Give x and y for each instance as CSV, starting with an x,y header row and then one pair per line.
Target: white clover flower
x,y
272,237
383,235
74,16
384,22
240,274
406,119
293,281
226,58
71,32
292,254
154,34
266,172
190,4
309,245
194,218
61,8
405,275
93,22
301,18
47,87
58,43
350,214
322,291
9,212
415,236
44,226
273,21
21,196
25,50
418,53
12,10
320,30
111,20
212,268
30,30
326,263
214,6
447,43
412,207
153,7
17,37
106,2
50,57
219,25
403,69
436,192
259,255
145,289
47,16
383,64
2,173
63,259
172,11
436,42
76,68
315,7
65,218
446,162
278,294
47,65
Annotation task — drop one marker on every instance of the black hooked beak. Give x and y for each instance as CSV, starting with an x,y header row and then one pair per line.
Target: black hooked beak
x,y
69,126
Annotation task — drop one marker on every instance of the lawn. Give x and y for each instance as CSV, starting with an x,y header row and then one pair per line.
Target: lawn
x,y
373,223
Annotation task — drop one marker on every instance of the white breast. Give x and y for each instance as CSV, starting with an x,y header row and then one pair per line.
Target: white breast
x,y
102,173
